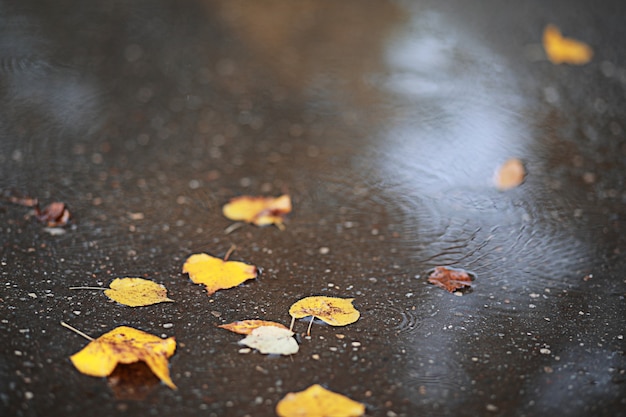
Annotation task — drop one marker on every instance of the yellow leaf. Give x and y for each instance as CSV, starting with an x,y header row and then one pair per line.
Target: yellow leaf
x,y
332,310
271,340
217,274
560,49
261,211
316,401
510,174
246,326
136,292
126,345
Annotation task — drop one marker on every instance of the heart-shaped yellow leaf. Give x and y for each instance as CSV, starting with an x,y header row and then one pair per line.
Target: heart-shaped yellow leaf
x,y
246,326
135,292
217,274
562,50
126,345
317,401
332,310
261,211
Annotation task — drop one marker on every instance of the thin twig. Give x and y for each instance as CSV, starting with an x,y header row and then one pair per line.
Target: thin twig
x,y
75,330
293,320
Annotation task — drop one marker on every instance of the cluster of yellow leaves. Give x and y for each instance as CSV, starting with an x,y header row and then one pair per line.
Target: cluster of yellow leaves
x,y
125,345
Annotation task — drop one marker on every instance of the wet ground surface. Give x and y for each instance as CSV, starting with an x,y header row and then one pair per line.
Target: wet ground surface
x,y
385,123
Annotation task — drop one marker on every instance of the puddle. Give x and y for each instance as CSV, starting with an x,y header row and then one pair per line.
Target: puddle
x,y
385,122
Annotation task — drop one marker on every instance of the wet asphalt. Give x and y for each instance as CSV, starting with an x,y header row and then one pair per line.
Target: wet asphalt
x,y
385,122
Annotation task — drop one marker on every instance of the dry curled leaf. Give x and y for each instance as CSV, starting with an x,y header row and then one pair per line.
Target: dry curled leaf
x,y
317,401
562,50
332,310
246,326
510,174
271,340
217,274
450,279
261,211
54,214
135,292
126,345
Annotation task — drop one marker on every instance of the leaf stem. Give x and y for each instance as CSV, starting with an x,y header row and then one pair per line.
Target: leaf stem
x,y
230,252
88,288
308,331
75,330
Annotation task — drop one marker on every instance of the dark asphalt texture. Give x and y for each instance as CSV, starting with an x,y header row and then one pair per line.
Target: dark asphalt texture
x,y
385,122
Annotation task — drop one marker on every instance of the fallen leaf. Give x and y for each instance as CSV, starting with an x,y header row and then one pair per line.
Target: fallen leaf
x,y
510,174
271,340
246,326
217,274
317,401
53,215
126,345
135,292
562,50
261,211
332,310
450,279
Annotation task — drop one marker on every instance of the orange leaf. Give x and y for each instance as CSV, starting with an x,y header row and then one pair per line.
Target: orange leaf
x,y
126,345
450,279
246,326
562,50
510,174
217,274
317,401
261,211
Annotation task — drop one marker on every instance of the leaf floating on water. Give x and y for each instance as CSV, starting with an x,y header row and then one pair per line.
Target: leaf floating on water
x,y
317,401
246,326
510,174
562,50
450,279
332,310
135,292
261,211
217,274
271,340
126,345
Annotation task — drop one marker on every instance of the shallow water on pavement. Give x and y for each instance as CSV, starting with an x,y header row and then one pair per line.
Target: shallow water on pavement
x,y
385,122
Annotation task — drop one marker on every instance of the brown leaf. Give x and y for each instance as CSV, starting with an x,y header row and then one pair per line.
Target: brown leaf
x,y
54,214
450,279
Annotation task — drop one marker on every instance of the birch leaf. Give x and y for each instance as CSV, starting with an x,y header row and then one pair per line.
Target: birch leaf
x,y
217,274
135,292
317,401
261,211
126,345
246,326
332,310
